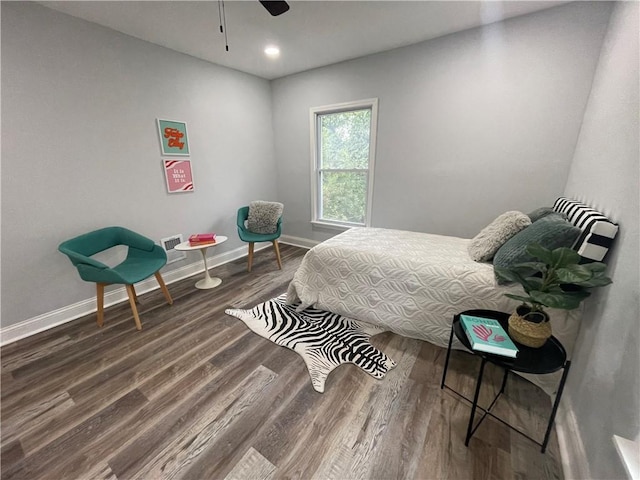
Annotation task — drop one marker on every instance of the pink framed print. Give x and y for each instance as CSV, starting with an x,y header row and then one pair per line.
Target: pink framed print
x,y
178,175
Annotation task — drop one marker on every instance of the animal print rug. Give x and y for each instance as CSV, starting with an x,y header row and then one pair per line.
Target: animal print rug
x,y
324,340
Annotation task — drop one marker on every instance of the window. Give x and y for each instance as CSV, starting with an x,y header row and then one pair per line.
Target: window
x,y
343,139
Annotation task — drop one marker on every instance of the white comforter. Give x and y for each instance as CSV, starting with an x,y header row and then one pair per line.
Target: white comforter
x,y
407,282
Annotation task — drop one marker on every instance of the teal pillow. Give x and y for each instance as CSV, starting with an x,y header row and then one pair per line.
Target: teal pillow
x,y
551,231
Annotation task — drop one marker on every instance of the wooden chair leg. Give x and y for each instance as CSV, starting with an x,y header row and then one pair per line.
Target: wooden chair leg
x,y
135,295
277,249
132,301
251,244
100,299
163,287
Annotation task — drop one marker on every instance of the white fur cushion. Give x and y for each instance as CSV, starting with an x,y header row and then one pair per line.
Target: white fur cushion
x,y
484,245
263,216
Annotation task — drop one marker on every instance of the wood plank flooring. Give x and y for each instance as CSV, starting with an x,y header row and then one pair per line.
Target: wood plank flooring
x,y
197,395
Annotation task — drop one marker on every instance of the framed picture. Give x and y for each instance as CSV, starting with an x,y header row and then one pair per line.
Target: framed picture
x,y
173,137
178,175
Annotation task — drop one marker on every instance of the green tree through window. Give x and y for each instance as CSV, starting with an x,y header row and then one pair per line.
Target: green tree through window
x,y
343,164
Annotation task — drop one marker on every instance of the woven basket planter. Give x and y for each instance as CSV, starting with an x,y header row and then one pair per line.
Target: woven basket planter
x,y
528,333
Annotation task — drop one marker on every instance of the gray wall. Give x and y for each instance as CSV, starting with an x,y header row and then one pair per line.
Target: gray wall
x,y
604,388
80,147
470,125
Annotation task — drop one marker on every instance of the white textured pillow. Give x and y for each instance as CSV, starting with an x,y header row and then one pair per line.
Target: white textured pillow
x,y
484,245
263,216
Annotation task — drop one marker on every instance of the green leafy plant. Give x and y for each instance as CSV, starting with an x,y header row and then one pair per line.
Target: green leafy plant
x,y
555,279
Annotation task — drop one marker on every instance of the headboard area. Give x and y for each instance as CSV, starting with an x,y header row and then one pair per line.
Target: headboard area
x,y
569,223
598,231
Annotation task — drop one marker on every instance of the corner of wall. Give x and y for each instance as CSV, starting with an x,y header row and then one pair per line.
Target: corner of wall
x,y
572,452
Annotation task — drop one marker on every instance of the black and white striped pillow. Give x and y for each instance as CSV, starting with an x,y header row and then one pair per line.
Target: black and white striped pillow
x,y
598,231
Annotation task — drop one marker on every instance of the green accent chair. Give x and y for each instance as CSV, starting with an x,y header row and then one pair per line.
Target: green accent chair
x,y
144,258
251,237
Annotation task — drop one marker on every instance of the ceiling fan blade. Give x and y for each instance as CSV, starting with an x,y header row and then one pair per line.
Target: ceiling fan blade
x,y
275,8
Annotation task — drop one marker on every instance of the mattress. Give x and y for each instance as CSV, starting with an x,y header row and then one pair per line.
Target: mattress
x,y
410,283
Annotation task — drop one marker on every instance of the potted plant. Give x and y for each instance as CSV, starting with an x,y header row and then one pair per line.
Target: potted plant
x,y
554,279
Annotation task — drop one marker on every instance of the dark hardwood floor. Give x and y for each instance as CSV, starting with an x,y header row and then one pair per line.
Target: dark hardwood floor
x,y
197,395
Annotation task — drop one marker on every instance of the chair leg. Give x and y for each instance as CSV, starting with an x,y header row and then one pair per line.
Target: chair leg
x,y
100,299
251,244
135,295
132,301
277,249
163,287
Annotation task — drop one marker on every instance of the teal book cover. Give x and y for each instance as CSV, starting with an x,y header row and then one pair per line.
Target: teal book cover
x,y
487,335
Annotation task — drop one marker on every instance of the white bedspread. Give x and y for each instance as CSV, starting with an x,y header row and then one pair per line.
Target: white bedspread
x,y
407,282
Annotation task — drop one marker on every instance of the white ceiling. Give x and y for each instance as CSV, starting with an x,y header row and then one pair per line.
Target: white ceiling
x,y
311,34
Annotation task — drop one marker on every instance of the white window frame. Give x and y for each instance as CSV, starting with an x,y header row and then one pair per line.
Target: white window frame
x,y
315,113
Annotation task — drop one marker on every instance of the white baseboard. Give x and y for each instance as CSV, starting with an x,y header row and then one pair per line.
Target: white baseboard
x,y
66,314
298,242
575,465
628,451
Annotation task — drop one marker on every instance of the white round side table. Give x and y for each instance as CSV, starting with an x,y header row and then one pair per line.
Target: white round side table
x,y
208,281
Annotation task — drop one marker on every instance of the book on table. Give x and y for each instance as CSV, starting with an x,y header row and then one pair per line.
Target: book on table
x,y
487,335
202,239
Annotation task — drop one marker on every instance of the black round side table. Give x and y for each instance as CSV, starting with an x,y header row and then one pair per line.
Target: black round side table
x,y
549,358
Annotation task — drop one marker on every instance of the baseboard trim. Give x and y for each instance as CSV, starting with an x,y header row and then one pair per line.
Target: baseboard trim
x,y
298,242
628,451
575,464
48,320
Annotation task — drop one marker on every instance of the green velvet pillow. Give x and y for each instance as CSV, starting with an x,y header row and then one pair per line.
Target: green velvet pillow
x,y
551,231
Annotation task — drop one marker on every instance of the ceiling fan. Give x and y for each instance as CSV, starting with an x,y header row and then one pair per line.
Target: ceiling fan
x,y
275,8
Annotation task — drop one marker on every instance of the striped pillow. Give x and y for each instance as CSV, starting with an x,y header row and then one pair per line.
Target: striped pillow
x,y
598,231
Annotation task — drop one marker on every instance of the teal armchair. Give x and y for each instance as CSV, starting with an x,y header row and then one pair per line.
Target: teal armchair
x,y
144,258
248,236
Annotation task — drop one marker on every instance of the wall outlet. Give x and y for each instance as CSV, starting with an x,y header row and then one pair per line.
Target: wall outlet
x,y
169,244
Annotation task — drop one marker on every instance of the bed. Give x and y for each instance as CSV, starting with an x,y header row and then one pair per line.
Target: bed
x,y
412,283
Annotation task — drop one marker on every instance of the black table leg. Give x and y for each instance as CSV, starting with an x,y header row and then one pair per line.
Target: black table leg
x,y
446,362
504,380
475,403
556,403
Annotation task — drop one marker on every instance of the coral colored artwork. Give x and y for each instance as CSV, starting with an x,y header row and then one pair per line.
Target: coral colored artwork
x,y
178,175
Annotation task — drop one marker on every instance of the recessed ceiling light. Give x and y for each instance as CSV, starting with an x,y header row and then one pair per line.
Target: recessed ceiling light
x,y
272,51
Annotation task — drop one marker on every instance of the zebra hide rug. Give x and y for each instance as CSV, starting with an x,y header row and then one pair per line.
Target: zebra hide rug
x,y
324,340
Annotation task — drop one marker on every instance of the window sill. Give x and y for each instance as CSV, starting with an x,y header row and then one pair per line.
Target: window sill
x,y
333,226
